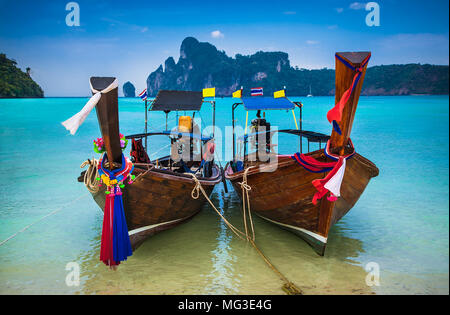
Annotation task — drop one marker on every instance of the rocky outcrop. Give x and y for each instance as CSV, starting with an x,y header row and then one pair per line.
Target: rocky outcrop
x,y
202,65
129,90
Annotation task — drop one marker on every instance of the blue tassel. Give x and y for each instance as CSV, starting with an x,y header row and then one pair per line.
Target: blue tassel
x,y
121,239
336,127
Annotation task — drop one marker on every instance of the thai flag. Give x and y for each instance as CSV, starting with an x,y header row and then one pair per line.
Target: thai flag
x,y
256,91
143,95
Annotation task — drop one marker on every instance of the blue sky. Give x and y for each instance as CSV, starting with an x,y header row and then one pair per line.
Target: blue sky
x,y
130,39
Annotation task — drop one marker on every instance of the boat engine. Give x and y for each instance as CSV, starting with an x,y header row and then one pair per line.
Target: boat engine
x,y
261,125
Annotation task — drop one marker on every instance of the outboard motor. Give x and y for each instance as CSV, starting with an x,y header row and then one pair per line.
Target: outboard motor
x,y
261,125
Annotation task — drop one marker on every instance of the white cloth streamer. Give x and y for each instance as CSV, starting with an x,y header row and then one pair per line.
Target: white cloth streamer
x,y
76,120
334,184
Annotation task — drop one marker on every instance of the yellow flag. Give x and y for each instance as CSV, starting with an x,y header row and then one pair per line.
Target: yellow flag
x,y
237,94
279,94
210,92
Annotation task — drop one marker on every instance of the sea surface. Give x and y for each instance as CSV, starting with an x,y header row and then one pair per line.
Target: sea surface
x,y
400,224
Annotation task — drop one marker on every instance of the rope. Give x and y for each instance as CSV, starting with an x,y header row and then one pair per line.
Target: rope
x,y
91,175
246,206
195,194
90,180
46,216
288,286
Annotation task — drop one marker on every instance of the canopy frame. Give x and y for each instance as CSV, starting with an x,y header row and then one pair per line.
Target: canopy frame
x,y
267,103
299,105
195,108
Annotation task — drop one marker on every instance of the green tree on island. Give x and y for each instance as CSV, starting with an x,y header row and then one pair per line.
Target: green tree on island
x,y
14,83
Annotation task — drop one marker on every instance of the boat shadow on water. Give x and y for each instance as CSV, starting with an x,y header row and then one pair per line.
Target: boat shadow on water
x,y
212,260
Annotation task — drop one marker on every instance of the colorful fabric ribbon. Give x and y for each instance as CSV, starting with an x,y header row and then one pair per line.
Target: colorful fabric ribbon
x,y
334,115
332,182
115,243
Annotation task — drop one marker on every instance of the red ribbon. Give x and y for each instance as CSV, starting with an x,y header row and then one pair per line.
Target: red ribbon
x,y
320,183
336,112
106,248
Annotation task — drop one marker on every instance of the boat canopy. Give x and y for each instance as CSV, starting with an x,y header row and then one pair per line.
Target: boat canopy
x,y
170,100
266,103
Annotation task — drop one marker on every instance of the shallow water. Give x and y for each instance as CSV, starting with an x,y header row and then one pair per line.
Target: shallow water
x,y
400,222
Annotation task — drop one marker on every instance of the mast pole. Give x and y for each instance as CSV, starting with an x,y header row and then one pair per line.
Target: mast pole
x,y
146,124
214,115
232,122
300,122
167,114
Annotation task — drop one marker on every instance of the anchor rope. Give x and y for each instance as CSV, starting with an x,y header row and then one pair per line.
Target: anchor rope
x,y
44,217
288,286
195,194
246,204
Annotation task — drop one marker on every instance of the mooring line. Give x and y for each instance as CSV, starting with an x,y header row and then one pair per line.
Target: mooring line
x,y
46,216
288,286
195,194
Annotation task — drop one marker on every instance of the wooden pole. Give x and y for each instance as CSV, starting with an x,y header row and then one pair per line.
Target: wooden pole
x,y
344,79
108,118
167,114
300,121
214,115
234,140
146,125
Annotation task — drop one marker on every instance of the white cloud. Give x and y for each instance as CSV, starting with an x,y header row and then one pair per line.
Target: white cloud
x,y
312,42
332,27
357,6
339,10
289,12
217,34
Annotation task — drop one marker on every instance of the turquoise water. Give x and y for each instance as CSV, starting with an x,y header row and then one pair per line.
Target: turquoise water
x,y
401,222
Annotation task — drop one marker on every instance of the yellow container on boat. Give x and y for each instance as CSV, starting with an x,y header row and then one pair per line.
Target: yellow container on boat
x,y
185,124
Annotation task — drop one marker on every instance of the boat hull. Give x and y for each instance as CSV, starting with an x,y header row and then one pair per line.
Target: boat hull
x,y
283,196
159,200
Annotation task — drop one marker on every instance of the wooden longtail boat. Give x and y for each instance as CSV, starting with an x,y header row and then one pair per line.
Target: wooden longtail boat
x,y
282,193
160,197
